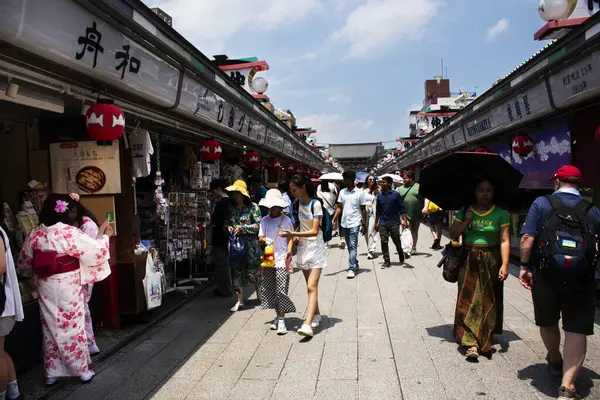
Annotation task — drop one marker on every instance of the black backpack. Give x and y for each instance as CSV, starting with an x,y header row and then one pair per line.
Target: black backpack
x,y
567,247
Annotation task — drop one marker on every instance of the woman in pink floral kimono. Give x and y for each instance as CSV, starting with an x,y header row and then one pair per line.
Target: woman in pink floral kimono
x,y
62,259
82,218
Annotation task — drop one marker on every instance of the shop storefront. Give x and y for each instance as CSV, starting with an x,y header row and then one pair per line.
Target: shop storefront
x,y
58,59
541,116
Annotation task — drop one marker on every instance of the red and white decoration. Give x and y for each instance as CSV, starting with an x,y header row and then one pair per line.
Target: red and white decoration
x,y
105,122
522,145
483,149
252,160
289,168
299,169
276,164
211,150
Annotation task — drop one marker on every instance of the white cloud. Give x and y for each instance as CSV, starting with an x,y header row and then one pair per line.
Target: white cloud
x,y
500,27
376,26
209,23
338,98
336,128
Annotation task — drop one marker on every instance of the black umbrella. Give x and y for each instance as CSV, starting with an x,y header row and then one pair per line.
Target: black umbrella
x,y
450,182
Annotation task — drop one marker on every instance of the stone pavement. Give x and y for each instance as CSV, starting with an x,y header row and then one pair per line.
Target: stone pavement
x,y
387,335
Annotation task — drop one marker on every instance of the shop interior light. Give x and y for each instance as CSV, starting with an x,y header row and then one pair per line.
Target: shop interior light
x,y
12,89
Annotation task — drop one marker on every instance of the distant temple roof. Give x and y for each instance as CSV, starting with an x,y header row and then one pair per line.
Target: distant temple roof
x,y
355,150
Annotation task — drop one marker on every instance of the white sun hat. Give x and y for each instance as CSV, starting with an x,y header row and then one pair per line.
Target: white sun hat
x,y
273,198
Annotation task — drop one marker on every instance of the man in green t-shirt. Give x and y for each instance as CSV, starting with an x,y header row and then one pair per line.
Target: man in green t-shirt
x,y
414,204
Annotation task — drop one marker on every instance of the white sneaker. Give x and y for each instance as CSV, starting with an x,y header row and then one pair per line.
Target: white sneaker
x,y
370,256
273,326
350,274
281,328
306,331
51,381
237,306
93,349
413,252
87,377
316,321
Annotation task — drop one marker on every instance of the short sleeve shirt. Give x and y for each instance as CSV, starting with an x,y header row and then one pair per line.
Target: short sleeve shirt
x,y
485,228
351,201
269,227
413,201
307,216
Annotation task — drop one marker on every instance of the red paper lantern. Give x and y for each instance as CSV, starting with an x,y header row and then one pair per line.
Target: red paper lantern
x,y
276,164
522,145
252,159
105,122
483,149
290,168
299,169
211,150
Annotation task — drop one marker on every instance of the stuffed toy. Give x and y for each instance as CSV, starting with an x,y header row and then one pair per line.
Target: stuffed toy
x,y
269,257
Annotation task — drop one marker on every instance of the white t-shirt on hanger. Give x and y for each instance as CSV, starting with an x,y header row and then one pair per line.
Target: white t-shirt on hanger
x,y
141,148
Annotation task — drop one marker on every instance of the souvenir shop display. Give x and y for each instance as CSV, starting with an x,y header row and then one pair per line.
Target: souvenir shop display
x,y
182,231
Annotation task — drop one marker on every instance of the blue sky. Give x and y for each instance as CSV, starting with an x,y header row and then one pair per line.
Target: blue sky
x,y
352,69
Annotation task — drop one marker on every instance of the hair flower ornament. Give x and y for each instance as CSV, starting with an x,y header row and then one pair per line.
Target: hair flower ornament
x,y
74,196
61,206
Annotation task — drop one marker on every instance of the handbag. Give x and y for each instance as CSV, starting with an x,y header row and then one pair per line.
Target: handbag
x,y
237,247
452,257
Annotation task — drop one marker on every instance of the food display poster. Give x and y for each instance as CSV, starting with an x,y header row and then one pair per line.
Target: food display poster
x,y
85,168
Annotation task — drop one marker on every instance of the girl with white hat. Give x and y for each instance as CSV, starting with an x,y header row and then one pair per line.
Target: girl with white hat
x,y
276,280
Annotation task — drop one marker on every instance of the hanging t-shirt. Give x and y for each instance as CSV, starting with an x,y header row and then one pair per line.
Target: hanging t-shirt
x,y
484,228
141,148
307,217
269,227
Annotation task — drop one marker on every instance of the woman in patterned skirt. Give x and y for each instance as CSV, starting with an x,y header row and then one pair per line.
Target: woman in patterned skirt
x,y
244,220
276,279
480,303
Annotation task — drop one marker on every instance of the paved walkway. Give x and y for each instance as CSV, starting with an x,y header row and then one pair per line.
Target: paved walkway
x,y
387,335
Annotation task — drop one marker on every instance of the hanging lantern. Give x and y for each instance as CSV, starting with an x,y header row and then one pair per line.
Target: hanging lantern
x,y
299,169
211,150
276,164
289,168
522,145
105,121
252,160
483,149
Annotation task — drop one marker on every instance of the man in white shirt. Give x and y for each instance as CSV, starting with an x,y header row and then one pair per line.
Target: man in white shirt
x,y
351,206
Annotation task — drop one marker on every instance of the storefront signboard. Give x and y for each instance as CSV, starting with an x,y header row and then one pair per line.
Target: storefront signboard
x,y
85,168
514,111
288,148
64,32
576,83
437,146
454,138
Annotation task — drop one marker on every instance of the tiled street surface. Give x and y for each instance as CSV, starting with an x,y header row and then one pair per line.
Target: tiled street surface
x,y
387,335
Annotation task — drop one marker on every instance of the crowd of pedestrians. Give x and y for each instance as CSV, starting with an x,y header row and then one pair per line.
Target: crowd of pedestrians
x,y
261,236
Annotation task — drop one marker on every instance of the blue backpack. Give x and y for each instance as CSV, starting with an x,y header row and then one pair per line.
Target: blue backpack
x,y
326,224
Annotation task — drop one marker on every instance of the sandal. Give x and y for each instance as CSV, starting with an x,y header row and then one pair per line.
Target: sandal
x,y
472,353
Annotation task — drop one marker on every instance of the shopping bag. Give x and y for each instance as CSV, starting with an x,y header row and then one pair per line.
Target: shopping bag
x,y
152,285
406,240
237,248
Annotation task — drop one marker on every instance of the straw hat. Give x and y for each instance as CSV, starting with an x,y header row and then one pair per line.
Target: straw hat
x,y
273,198
238,186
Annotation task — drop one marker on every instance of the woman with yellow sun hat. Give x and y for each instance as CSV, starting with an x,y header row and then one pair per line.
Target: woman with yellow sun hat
x,y
243,223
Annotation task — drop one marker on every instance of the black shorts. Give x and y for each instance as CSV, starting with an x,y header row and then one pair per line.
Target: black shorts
x,y
574,303
436,218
